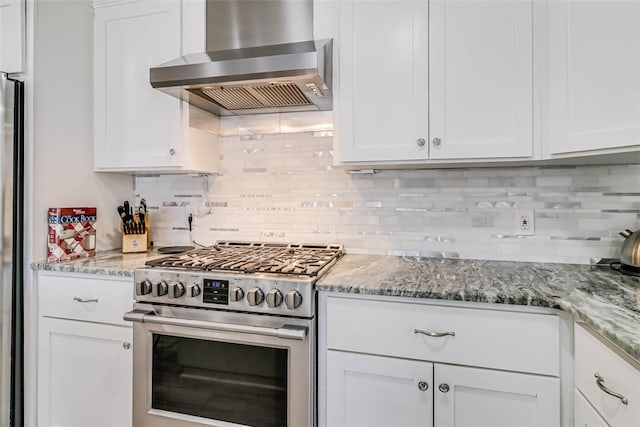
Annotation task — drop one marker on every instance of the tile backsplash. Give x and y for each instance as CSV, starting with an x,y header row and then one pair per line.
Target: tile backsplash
x,y
284,187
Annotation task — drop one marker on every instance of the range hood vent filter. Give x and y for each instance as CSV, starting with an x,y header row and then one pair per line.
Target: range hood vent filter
x,y
259,96
233,98
283,95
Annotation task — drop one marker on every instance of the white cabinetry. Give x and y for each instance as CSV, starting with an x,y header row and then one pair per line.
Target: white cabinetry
x,y
138,128
584,414
453,85
370,391
12,35
481,397
477,366
594,69
84,351
480,79
593,405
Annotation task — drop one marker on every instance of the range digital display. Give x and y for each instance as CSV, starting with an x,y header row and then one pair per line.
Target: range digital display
x,y
215,291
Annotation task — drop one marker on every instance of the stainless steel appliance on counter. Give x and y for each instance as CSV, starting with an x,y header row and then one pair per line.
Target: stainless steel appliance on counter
x,y
226,335
11,245
630,252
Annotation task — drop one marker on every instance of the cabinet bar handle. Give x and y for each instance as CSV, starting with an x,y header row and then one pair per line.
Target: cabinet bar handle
x,y
600,382
434,334
85,299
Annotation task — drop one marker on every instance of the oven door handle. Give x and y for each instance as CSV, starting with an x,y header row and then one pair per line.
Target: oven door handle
x,y
291,332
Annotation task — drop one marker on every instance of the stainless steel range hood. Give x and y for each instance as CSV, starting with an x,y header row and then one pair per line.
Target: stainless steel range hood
x,y
260,58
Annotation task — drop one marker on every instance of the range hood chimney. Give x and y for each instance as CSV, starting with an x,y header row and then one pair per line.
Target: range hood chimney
x,y
261,58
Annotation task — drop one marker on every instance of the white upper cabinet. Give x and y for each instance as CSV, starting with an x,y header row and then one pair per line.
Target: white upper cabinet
x,y
138,128
594,75
12,35
383,80
480,79
435,80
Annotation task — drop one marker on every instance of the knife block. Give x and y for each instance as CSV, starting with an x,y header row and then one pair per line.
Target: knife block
x,y
136,242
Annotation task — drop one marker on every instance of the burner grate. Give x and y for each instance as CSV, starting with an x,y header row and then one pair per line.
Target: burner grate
x,y
254,257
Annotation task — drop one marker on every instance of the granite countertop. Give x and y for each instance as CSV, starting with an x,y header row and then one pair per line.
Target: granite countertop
x,y
604,299
105,263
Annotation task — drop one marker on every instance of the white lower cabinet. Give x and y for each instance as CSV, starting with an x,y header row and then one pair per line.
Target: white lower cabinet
x,y
367,391
481,397
584,414
85,374
85,353
370,391
607,383
389,363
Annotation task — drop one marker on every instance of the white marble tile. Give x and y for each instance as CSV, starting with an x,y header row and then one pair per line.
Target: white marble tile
x,y
284,187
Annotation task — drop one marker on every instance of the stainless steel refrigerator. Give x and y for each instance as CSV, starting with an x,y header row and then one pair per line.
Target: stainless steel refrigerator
x,y
11,249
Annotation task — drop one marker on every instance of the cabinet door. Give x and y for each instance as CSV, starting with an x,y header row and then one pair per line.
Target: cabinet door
x,y
594,75
12,20
584,414
136,126
480,79
84,374
383,94
371,391
479,397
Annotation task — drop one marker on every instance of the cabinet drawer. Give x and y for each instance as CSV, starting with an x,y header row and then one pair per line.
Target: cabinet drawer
x,y
584,414
592,356
485,338
59,295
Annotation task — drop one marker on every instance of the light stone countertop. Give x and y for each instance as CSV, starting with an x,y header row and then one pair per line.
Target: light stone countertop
x,y
104,263
604,299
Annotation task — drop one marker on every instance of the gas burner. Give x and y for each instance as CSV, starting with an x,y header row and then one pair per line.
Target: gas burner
x,y
250,277
255,257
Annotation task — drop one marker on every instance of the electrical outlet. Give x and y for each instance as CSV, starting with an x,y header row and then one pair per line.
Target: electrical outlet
x,y
525,223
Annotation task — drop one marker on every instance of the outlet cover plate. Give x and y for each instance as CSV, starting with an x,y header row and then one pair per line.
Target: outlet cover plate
x,y
525,222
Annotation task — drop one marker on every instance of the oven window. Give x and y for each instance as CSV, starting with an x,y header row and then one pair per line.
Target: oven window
x,y
236,383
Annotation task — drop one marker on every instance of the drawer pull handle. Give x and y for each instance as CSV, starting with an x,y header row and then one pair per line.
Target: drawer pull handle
x,y
434,334
85,299
600,382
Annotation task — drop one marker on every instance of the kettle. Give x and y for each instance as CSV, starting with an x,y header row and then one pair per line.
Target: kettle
x,y
630,253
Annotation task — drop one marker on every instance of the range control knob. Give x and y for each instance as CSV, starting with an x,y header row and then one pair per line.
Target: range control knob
x,y
144,287
193,291
160,289
274,298
293,299
176,290
255,296
236,294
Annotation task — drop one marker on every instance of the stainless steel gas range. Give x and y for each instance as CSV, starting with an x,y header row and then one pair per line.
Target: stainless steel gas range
x,y
225,335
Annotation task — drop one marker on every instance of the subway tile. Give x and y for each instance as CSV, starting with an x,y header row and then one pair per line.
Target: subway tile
x,y
285,187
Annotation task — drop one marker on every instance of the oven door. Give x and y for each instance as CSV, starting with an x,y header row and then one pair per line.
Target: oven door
x,y
194,367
